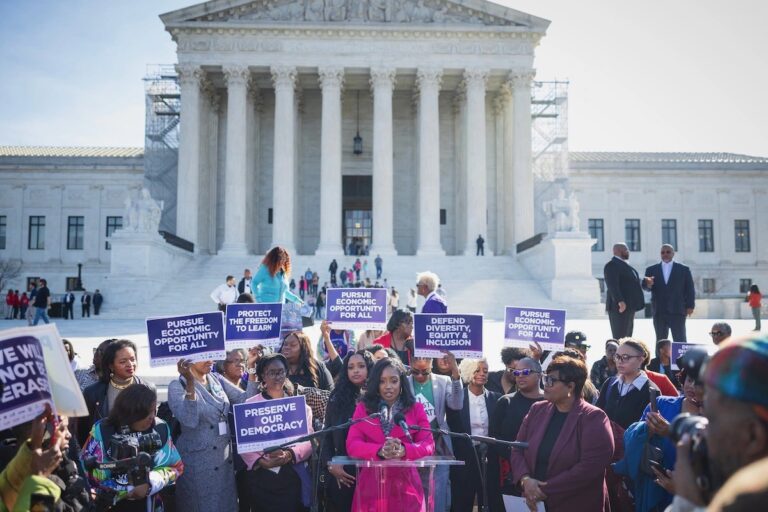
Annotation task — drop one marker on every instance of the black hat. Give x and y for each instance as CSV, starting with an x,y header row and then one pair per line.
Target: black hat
x,y
692,362
575,339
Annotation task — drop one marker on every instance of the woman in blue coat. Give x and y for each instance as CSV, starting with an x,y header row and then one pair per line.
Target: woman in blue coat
x,y
270,284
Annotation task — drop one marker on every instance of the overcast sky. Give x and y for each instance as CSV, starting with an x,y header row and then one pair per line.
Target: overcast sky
x,y
657,75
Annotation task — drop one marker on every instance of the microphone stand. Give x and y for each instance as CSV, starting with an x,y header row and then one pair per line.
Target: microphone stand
x,y
482,460
321,435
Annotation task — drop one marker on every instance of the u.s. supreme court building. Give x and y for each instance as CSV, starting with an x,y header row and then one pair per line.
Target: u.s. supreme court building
x,y
274,95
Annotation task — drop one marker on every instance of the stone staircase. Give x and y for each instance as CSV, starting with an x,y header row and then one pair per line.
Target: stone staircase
x,y
481,285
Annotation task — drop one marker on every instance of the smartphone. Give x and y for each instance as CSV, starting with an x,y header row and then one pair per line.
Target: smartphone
x,y
654,394
658,466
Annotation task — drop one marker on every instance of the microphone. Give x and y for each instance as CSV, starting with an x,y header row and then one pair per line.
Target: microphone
x,y
399,420
384,411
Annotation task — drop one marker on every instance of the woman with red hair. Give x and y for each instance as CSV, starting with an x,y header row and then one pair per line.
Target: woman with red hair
x,y
270,283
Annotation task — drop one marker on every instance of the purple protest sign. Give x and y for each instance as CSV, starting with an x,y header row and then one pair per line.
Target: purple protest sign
x,y
460,334
357,308
25,381
523,326
260,425
251,324
197,337
678,349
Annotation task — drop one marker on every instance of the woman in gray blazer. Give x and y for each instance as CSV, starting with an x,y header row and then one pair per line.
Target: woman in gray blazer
x,y
201,401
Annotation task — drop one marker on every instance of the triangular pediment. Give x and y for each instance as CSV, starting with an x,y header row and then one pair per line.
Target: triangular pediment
x,y
476,13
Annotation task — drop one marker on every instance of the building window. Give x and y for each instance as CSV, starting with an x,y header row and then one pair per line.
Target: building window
x,y
269,215
443,217
71,284
36,240
113,224
75,230
742,235
601,284
706,236
3,227
669,232
632,234
597,231
744,285
33,280
708,284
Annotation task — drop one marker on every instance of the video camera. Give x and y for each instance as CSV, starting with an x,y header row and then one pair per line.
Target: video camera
x,y
130,454
695,426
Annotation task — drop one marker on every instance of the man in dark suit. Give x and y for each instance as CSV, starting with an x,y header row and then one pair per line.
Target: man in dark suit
x,y
244,286
69,306
85,302
98,300
623,293
672,295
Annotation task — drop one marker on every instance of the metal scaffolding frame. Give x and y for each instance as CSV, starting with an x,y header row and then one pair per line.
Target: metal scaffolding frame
x,y
161,138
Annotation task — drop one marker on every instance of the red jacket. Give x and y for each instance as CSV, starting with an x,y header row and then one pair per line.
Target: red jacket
x,y
663,383
577,464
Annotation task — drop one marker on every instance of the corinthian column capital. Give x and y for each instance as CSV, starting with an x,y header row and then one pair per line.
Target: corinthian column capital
x,y
236,74
189,74
382,77
283,76
426,77
331,77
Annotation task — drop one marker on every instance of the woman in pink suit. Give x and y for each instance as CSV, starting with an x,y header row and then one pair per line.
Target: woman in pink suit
x,y
387,383
570,445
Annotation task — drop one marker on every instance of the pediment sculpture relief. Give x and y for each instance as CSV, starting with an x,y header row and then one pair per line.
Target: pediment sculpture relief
x,y
373,11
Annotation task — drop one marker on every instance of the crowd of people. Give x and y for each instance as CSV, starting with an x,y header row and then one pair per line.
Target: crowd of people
x,y
638,431
25,306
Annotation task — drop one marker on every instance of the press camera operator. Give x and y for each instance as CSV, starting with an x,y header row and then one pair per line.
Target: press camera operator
x,y
732,434
142,443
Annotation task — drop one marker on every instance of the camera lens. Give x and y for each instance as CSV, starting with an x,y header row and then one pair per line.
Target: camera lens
x,y
686,423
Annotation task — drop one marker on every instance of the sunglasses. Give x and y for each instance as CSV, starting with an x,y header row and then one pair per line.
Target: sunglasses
x,y
623,358
524,372
717,333
550,381
420,372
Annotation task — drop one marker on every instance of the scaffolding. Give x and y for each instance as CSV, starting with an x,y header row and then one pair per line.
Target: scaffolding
x,y
161,139
549,143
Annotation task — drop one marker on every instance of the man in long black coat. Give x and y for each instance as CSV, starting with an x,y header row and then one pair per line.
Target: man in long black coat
x,y
624,294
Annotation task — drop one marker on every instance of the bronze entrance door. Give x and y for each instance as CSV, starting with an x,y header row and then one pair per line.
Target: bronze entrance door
x,y
357,219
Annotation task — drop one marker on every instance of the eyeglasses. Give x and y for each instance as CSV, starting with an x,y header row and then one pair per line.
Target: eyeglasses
x,y
666,252
420,372
717,333
524,372
550,381
275,374
623,358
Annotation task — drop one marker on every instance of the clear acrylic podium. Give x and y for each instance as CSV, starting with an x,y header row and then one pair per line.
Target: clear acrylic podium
x,y
401,485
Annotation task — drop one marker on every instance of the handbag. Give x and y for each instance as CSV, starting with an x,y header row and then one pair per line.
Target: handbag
x,y
307,318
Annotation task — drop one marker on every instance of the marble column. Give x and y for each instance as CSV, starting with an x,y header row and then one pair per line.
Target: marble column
x,y
428,82
522,162
382,82
509,246
331,81
475,171
188,184
235,191
284,169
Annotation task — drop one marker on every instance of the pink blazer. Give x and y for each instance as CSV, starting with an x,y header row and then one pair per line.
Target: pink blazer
x,y
301,451
404,492
577,464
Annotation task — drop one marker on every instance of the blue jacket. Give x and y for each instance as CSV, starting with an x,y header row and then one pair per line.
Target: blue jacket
x,y
434,304
268,288
647,493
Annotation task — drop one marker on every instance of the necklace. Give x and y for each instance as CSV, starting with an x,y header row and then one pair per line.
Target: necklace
x,y
120,386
